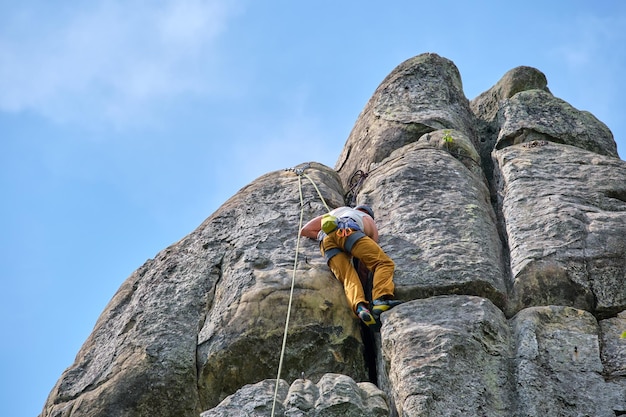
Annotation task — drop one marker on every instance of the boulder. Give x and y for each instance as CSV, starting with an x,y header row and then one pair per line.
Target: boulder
x,y
565,215
333,395
446,356
537,115
421,95
558,366
438,223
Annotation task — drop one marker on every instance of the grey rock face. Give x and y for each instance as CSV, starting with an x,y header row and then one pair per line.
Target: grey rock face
x,y
487,104
506,218
613,351
439,224
240,340
565,213
558,367
205,317
423,94
447,356
538,115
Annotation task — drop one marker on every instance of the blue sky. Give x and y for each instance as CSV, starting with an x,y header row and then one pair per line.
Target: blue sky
x,y
124,124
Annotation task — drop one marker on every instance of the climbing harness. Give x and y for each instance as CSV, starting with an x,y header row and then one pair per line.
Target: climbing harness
x,y
351,235
300,172
346,225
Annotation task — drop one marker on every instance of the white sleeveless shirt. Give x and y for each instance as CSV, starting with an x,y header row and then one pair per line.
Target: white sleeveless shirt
x,y
355,215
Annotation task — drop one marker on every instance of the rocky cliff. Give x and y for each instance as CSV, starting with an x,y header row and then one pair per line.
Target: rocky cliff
x,y
506,217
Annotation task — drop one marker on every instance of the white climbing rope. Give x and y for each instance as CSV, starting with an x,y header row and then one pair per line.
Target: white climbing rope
x,y
300,173
316,189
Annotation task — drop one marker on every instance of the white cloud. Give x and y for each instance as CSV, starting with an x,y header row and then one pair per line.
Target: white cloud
x,y
109,60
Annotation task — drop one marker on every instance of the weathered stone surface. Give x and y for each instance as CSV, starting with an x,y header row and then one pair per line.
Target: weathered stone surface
x,y
565,214
478,234
206,315
457,144
252,400
487,104
538,115
446,356
140,357
423,94
438,223
333,396
613,352
240,341
558,370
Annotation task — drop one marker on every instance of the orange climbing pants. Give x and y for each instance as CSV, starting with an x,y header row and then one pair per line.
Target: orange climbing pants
x,y
372,256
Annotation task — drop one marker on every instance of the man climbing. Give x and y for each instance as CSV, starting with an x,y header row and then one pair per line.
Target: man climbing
x,y
356,235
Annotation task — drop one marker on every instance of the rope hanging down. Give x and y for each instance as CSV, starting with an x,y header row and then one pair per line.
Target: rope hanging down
x,y
350,197
300,172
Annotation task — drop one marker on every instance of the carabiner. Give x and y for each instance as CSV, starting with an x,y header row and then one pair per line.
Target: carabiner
x,y
344,232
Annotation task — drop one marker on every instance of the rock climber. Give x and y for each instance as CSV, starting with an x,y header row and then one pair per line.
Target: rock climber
x,y
359,240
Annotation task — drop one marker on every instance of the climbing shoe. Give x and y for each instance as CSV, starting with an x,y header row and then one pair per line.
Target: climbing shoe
x,y
365,315
381,305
